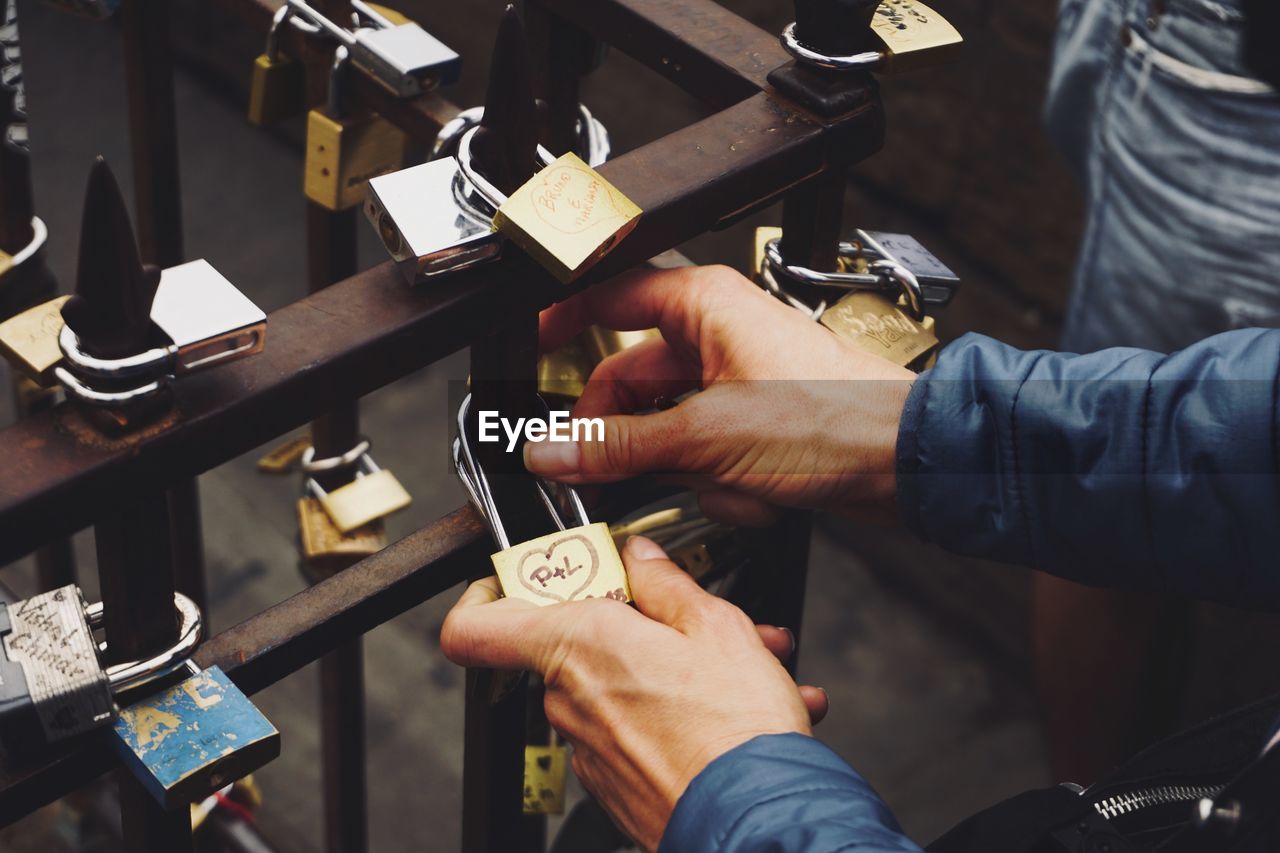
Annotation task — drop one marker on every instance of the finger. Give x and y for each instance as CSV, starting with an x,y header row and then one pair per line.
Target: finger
x,y
486,630
660,589
816,702
780,641
673,300
634,378
631,445
729,506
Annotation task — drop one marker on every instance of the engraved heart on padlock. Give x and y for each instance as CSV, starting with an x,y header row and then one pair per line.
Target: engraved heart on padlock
x,y
572,200
561,571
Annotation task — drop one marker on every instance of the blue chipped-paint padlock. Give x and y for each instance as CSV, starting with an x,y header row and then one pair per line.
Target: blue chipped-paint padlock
x,y
194,738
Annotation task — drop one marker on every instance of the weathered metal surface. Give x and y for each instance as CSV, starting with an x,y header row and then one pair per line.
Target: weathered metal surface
x,y
368,330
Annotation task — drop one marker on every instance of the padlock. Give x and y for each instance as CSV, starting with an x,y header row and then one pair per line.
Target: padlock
x,y
563,373
374,493
326,549
876,324
345,151
193,738
281,458
911,36
545,771
566,217
52,684
205,320
401,56
577,562
277,89
29,341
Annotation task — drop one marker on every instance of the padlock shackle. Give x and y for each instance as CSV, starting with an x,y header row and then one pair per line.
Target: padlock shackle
x,y
594,143
886,275
314,17
492,196
123,676
476,484
805,55
337,77
364,9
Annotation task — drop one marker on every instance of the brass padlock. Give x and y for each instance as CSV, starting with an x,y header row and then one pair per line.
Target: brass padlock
x,y
577,562
328,550
545,772
566,217
277,88
375,493
345,151
281,458
29,341
911,36
877,325
563,373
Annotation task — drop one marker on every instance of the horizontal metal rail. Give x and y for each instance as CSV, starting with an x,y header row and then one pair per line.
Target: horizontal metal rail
x,y
372,329
279,641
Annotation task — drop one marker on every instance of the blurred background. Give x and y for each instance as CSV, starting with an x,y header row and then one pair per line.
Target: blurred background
x,y
924,654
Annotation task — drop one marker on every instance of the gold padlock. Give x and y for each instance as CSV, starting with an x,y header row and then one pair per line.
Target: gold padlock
x,y
374,493
328,550
277,87
29,341
545,771
281,458
914,35
568,565
563,373
567,217
877,325
345,151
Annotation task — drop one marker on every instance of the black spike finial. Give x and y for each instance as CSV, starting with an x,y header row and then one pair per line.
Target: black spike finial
x,y
111,309
506,143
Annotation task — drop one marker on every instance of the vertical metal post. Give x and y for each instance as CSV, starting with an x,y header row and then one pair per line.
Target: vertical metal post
x,y
31,283
331,256
135,569
153,132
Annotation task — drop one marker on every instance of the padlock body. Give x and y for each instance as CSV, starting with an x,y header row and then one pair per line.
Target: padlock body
x,y
194,738
343,154
326,549
365,499
29,341
567,217
406,58
563,373
545,772
277,90
937,282
422,224
878,326
206,317
51,668
568,565
914,35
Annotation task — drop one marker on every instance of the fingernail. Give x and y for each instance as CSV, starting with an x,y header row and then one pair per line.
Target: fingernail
x,y
791,638
552,458
644,549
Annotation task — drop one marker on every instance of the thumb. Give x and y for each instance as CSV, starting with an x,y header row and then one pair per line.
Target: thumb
x,y
662,591
628,445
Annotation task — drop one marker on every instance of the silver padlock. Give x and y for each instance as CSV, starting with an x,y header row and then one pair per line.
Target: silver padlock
x,y
890,263
404,57
52,683
207,320
437,217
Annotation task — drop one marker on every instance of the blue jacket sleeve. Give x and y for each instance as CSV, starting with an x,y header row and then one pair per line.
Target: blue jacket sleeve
x,y
1119,468
781,794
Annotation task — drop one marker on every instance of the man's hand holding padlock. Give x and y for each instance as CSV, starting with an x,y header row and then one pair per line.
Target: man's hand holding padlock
x,y
777,421
647,696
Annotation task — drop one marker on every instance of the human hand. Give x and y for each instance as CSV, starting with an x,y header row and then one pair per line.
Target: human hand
x,y
648,696
789,414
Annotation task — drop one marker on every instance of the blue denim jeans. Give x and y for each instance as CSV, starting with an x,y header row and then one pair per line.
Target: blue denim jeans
x,y
1178,150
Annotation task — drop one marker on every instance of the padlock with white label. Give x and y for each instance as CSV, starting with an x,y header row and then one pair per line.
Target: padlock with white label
x,y
401,56
52,682
579,561
374,493
193,738
455,230
911,35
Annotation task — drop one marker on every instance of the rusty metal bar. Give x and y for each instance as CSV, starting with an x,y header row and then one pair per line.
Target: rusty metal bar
x,y
281,640
371,329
